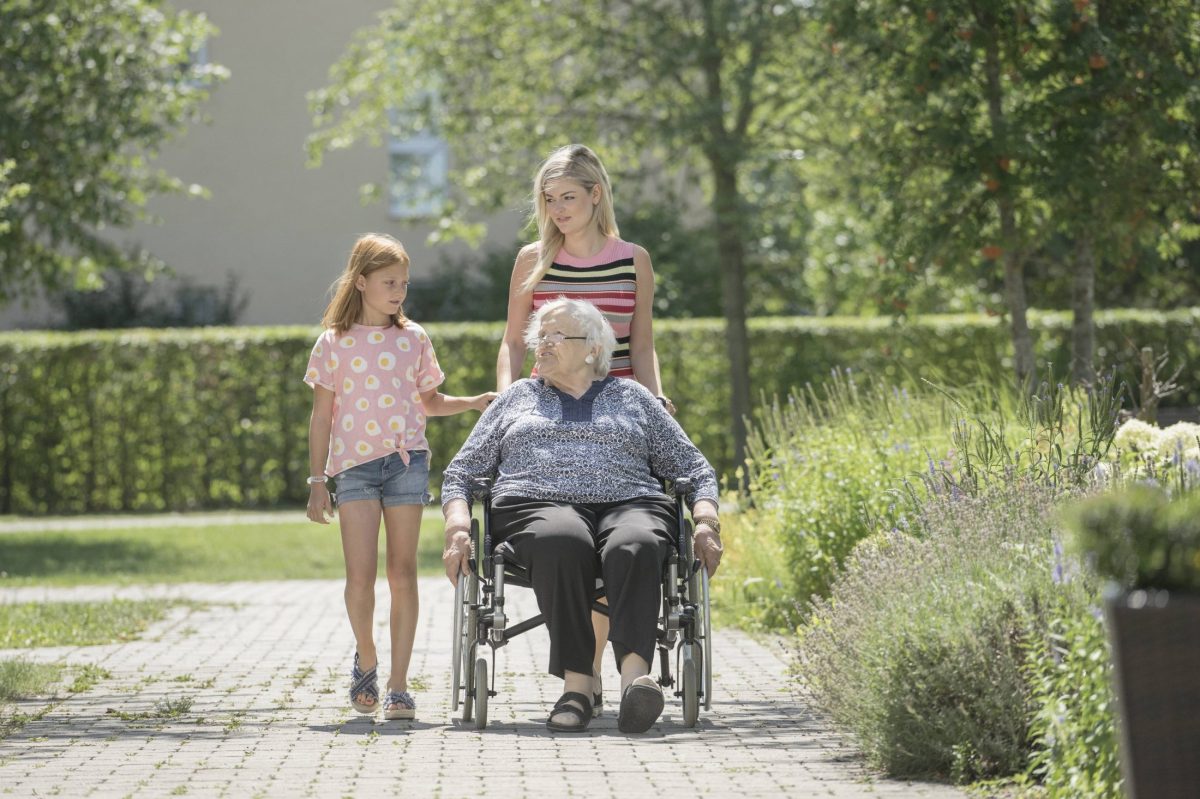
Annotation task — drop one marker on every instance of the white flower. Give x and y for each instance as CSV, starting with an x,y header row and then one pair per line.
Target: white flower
x,y
1182,438
1137,436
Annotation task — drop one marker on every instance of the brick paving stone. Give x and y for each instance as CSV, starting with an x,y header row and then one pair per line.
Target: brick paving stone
x,y
259,673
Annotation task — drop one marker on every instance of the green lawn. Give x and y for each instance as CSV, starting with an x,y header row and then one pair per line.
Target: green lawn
x,y
216,553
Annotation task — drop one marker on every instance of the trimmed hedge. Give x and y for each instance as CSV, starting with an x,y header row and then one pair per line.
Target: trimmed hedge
x,y
151,420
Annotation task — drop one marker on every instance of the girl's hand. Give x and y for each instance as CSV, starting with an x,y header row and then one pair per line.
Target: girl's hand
x,y
320,508
483,400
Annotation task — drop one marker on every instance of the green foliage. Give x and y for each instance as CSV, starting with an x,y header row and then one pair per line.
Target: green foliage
x,y
88,94
130,300
218,417
212,553
962,109
35,624
919,651
1141,537
464,289
21,678
824,469
1074,727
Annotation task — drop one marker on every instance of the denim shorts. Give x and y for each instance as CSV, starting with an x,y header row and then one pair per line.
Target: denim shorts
x,y
387,479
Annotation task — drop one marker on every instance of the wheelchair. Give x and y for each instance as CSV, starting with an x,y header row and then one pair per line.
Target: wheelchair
x,y
684,624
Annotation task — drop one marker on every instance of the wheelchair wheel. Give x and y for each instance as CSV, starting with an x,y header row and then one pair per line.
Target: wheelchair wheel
x,y
470,645
456,644
689,683
706,631
481,693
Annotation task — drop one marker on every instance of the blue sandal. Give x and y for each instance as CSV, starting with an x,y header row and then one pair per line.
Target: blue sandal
x,y
399,705
364,683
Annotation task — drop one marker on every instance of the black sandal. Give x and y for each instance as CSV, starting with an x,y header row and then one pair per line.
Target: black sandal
x,y
564,705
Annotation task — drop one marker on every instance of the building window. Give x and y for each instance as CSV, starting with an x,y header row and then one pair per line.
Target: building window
x,y
198,70
417,176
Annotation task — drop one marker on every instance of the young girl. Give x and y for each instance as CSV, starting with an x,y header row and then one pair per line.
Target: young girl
x,y
580,255
374,377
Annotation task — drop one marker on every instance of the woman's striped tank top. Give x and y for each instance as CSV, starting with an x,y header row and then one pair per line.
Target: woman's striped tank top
x,y
606,280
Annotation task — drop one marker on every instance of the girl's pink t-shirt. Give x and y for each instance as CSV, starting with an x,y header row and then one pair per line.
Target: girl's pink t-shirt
x,y
377,375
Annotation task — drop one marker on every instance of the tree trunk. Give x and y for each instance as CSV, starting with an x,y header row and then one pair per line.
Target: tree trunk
x,y
1014,295
1083,301
732,251
1014,266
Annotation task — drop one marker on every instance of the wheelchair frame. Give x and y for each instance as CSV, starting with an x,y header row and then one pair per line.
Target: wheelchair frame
x,y
684,624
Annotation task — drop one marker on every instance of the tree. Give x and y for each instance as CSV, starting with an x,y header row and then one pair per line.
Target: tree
x,y
996,128
944,106
1121,127
88,93
661,88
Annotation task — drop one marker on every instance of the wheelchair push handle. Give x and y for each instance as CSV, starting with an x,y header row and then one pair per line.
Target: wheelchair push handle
x,y
681,487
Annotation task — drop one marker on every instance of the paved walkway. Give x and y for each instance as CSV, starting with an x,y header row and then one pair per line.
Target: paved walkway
x,y
262,666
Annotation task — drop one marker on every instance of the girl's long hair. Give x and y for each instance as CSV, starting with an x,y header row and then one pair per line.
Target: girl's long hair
x,y
371,252
577,163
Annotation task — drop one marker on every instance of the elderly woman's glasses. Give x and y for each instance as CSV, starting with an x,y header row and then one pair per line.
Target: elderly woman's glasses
x,y
558,338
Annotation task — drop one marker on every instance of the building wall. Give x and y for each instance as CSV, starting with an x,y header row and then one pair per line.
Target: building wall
x,y
283,228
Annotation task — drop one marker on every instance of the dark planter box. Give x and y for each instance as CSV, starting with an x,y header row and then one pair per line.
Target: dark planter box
x,y
1156,654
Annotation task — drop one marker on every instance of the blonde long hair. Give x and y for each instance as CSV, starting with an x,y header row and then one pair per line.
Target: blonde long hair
x,y
371,252
577,163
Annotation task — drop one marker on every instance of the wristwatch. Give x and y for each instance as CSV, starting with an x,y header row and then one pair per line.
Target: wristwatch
x,y
712,521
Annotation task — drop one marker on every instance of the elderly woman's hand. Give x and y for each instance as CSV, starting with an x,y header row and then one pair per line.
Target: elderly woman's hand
x,y
456,556
707,545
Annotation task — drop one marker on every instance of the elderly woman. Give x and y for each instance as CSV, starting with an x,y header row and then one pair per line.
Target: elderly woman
x,y
576,456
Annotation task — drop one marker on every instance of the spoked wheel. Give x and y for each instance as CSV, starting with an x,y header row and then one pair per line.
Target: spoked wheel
x,y
481,693
471,614
456,643
706,631
689,684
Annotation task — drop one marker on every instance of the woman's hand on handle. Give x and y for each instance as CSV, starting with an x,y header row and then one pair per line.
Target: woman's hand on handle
x,y
456,557
706,543
457,554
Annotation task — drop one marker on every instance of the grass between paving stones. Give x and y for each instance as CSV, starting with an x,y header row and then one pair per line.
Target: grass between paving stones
x,y
217,553
34,624
21,678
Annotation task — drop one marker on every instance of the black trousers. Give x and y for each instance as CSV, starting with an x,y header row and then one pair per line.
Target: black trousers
x,y
564,547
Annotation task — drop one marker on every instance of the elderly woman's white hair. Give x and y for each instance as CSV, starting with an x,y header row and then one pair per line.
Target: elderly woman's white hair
x,y
592,324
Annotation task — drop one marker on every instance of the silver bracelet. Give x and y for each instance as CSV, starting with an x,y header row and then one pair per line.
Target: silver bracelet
x,y
316,480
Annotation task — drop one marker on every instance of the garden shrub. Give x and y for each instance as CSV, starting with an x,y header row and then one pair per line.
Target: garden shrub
x,y
215,417
824,469
1073,729
919,650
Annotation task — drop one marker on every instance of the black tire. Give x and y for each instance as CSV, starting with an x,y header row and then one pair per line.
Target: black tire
x,y
470,646
689,683
456,645
481,693
706,631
